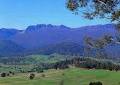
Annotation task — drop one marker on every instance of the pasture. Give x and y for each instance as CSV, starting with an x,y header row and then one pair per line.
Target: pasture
x,y
71,76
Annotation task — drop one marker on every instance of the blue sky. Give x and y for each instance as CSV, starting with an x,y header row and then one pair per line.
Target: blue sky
x,y
22,13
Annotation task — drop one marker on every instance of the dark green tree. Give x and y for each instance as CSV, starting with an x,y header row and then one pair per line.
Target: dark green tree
x,y
95,83
32,76
97,45
3,74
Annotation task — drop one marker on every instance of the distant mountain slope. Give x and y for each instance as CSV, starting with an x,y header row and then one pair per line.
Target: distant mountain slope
x,y
51,38
7,33
65,48
9,48
41,35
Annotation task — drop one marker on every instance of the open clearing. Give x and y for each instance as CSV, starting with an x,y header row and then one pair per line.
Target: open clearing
x,y
72,76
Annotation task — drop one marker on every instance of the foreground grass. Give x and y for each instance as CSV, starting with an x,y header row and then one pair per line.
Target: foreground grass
x,y
72,76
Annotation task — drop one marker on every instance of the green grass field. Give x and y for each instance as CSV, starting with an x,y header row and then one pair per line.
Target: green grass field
x,y
72,76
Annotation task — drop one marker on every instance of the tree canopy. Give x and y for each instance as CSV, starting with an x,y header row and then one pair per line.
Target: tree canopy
x,y
91,9
109,9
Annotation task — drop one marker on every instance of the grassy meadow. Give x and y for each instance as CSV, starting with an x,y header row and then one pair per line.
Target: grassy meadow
x,y
71,76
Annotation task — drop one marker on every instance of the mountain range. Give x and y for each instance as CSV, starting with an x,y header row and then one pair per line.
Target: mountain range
x,y
47,39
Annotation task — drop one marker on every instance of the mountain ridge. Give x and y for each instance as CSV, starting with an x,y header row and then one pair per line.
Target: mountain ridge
x,y
41,35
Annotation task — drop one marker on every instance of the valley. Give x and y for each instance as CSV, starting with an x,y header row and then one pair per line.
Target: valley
x,y
59,42
57,59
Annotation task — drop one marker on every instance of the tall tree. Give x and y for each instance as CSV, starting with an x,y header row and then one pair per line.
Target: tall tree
x,y
97,45
109,9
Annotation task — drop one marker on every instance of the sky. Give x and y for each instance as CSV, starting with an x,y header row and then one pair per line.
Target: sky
x,y
22,13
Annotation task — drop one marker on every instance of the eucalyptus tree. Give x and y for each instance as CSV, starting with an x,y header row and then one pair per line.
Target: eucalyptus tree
x,y
108,9
97,45
91,9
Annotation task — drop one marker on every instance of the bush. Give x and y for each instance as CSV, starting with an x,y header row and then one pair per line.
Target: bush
x,y
13,73
43,75
40,71
3,74
63,74
8,74
32,76
95,83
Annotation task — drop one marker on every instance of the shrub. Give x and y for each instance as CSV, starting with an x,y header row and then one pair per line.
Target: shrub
x,y
8,74
63,74
3,74
43,75
95,83
32,76
40,71
13,73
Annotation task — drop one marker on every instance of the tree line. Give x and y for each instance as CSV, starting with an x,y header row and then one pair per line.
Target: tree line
x,y
89,63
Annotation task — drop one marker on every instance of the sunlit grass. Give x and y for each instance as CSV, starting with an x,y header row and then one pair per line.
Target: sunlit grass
x,y
72,76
